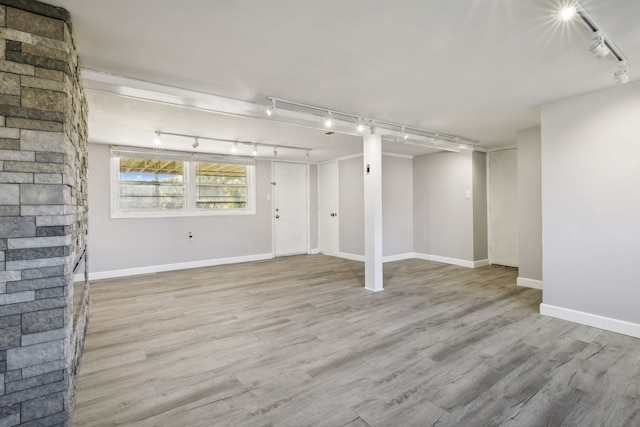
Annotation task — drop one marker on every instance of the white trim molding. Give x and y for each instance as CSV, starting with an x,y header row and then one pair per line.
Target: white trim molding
x,y
529,283
171,267
314,251
426,257
453,261
352,257
589,319
398,257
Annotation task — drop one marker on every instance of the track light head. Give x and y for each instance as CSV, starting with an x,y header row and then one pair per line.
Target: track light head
x,y
196,144
234,148
620,75
567,12
307,154
328,120
275,151
271,109
360,125
405,135
598,47
157,140
255,151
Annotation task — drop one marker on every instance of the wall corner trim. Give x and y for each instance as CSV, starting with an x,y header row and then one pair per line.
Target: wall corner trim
x,y
529,283
589,319
178,266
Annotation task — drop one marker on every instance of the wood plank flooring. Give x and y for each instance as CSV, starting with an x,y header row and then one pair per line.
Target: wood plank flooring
x,y
297,341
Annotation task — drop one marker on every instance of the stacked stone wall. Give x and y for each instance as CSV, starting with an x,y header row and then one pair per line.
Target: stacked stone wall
x,y
43,213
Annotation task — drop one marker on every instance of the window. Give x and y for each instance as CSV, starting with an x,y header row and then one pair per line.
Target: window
x,y
221,186
148,183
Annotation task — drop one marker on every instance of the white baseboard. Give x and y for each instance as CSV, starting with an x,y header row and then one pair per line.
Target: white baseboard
x,y
178,266
314,251
388,258
410,255
352,257
529,283
398,257
607,323
454,261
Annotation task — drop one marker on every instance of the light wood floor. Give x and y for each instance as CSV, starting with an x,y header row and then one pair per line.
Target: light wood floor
x,y
297,341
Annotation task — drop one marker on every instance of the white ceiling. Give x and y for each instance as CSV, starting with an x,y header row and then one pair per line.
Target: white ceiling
x,y
476,68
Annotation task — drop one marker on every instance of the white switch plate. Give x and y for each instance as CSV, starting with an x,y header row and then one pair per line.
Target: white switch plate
x,y
467,194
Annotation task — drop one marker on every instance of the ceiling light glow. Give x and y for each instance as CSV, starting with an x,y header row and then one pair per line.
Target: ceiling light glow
x,y
568,12
255,151
328,120
157,140
271,110
234,148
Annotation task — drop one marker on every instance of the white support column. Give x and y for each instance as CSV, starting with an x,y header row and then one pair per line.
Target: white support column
x,y
372,155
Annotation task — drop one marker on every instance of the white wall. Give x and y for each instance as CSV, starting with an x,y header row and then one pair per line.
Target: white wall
x,y
313,208
351,207
590,207
503,207
529,209
480,236
397,206
443,217
134,243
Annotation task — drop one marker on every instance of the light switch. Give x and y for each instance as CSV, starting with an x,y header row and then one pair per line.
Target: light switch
x,y
467,194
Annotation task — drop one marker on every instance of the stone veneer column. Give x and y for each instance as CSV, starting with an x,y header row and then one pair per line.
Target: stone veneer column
x,y
43,217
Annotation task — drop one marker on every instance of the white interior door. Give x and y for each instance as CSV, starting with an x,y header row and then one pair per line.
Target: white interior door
x,y
328,208
290,208
503,207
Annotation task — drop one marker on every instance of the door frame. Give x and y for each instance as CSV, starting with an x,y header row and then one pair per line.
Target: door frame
x,y
273,205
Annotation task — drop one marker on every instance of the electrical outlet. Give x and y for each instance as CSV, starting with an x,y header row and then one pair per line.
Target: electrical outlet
x,y
190,236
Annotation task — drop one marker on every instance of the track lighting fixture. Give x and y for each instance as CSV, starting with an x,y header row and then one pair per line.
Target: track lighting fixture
x,y
328,119
601,46
157,140
351,124
307,154
235,144
620,74
271,110
598,46
567,12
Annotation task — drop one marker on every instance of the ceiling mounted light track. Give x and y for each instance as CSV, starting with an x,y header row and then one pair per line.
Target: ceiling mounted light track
x,y
235,148
353,124
601,46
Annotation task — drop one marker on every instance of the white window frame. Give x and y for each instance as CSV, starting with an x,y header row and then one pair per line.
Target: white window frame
x,y
188,160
